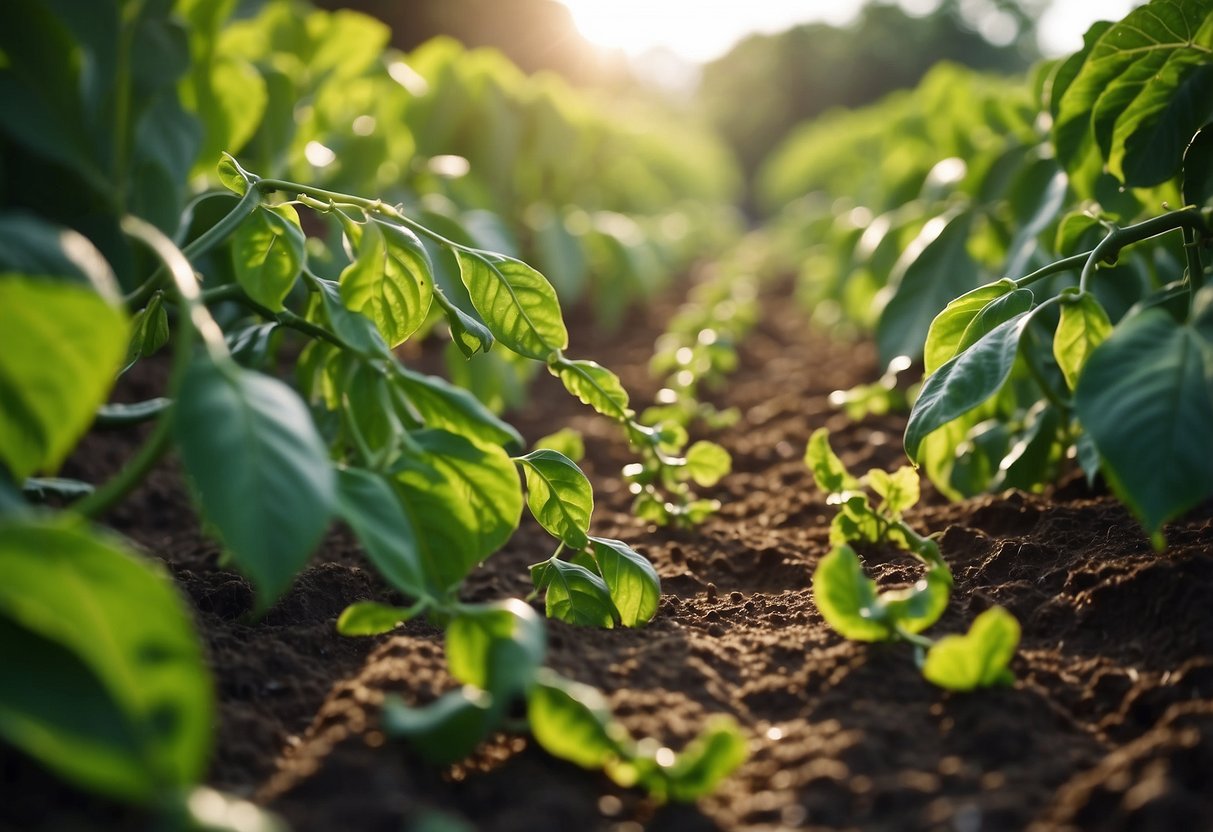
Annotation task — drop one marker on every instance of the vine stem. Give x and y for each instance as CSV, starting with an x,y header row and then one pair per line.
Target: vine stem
x,y
1118,238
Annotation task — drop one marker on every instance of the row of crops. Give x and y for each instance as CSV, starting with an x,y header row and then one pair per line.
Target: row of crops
x,y
238,200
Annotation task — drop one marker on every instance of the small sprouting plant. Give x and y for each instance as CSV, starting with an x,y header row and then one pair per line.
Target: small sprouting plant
x,y
851,603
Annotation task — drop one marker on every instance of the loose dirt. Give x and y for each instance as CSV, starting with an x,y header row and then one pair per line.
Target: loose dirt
x,y
1109,726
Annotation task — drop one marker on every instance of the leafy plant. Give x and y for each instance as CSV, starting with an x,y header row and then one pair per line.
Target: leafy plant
x,y
852,604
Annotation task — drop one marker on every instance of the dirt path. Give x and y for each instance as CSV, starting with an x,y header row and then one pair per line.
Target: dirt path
x,y
1110,725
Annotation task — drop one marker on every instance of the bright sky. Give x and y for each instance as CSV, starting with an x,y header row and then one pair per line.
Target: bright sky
x,y
699,30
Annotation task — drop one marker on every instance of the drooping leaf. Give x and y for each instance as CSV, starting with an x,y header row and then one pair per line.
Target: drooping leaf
x,y
571,721
366,501
497,647
63,346
465,500
443,405
559,496
516,302
708,463
261,471
1145,398
267,253
632,581
149,330
1084,325
578,596
596,386
391,279
846,597
965,381
96,695
948,328
977,659
994,313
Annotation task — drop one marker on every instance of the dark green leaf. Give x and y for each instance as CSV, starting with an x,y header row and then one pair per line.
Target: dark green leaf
x,y
63,345
994,313
149,330
497,647
366,501
559,496
1146,399
1198,169
516,302
261,472
948,328
632,581
31,246
267,253
441,404
979,658
445,730
97,695
578,596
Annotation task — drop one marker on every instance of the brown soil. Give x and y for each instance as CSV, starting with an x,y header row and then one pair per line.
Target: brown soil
x,y
1110,725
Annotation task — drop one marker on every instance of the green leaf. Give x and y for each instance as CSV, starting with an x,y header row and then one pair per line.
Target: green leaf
x,y
1145,398
465,500
391,280
63,345
933,270
571,721
267,253
828,470
994,313
578,596
355,329
1143,90
497,647
948,328
1084,325
596,386
559,496
964,382
708,463
366,501
847,598
468,332
978,659
441,404
516,302
856,521
445,730
917,607
232,176
32,246
230,97
259,468
899,490
565,441
149,330
97,695
632,581
1198,169
367,618
717,752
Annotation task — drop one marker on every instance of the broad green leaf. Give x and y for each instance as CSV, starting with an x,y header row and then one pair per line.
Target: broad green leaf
x,y
1073,228
445,730
232,176
571,721
717,752
979,658
578,596
708,463
856,521
847,599
915,608
63,346
32,246
229,96
633,583
1143,90
92,691
441,404
596,386
267,253
933,270
261,471
497,647
354,328
898,491
566,441
994,313
965,381
367,618
366,501
465,500
829,473
1198,169
1084,325
516,302
391,280
559,496
149,330
948,328
1146,400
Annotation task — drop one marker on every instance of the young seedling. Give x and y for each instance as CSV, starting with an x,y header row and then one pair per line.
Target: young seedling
x,y
852,604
